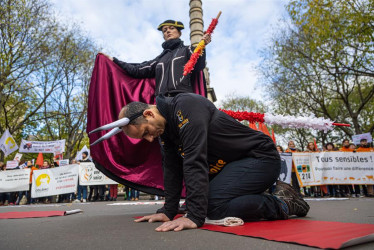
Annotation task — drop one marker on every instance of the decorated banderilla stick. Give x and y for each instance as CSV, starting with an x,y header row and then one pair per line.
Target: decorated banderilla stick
x,y
288,121
199,48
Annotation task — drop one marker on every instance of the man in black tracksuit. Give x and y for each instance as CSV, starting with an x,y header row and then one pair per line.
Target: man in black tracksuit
x,y
225,165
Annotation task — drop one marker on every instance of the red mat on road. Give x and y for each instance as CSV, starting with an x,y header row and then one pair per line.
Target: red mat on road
x,y
36,214
321,234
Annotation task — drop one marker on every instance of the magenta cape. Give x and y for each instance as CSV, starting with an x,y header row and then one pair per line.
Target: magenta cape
x,y
132,162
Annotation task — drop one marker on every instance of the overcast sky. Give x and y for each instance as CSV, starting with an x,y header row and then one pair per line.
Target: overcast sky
x,y
127,29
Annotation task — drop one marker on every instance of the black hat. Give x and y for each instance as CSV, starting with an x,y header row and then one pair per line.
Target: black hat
x,y
176,24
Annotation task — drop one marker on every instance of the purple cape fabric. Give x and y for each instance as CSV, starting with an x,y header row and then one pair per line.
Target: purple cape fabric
x,y
132,162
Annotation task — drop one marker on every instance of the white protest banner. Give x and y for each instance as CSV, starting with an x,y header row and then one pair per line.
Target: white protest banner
x,y
14,180
286,167
323,168
42,146
7,143
90,175
53,181
11,164
357,138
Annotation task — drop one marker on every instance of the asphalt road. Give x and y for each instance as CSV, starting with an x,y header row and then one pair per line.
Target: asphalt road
x,y
109,225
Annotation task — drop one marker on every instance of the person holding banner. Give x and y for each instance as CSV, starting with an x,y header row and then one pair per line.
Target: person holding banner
x,y
364,146
295,182
82,190
313,190
345,146
4,197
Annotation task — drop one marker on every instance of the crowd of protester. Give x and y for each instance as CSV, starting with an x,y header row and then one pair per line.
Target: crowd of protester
x,y
110,192
330,190
95,193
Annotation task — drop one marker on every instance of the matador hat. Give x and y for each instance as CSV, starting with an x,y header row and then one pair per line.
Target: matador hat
x,y
176,24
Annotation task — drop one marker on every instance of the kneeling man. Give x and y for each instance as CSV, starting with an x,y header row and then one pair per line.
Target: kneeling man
x,y
226,166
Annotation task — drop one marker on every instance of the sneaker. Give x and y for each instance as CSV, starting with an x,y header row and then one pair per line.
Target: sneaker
x,y
295,203
297,207
84,200
284,190
76,201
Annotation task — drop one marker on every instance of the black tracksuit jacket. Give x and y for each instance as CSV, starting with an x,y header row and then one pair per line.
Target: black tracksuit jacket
x,y
199,140
167,68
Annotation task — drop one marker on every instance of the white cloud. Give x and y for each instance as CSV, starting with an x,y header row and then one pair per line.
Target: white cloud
x,y
127,30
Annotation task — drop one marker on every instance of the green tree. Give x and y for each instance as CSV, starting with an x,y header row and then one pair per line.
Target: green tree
x,y
45,69
321,63
66,108
28,37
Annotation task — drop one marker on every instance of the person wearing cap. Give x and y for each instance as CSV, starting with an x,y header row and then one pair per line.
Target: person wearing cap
x,y
167,68
226,167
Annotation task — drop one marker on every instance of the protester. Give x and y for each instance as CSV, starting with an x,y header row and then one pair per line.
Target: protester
x,y
4,197
280,149
193,124
82,190
364,146
46,165
314,191
134,194
113,191
355,190
27,200
311,147
345,146
127,193
295,182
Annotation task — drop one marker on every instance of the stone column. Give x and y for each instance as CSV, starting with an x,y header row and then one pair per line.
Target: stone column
x,y
196,33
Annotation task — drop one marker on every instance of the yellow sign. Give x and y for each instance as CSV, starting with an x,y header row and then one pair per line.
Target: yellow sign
x,y
43,178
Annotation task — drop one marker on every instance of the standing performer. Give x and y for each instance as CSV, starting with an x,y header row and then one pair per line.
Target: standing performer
x,y
168,67
226,166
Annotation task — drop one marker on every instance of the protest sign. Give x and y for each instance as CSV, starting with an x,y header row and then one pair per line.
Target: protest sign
x,y
357,138
14,180
90,175
17,157
334,168
11,164
42,146
63,162
54,181
7,143
286,167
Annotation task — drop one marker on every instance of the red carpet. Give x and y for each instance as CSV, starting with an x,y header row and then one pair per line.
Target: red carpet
x,y
322,234
36,214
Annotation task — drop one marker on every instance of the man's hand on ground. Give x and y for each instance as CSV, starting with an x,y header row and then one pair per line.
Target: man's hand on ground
x,y
154,218
177,225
